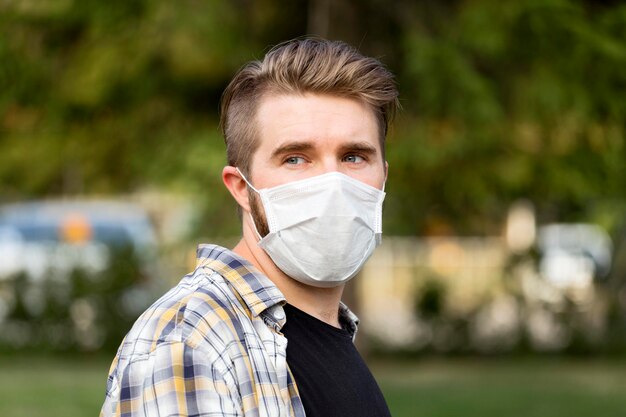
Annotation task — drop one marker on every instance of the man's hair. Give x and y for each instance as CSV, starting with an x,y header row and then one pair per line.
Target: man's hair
x,y
299,66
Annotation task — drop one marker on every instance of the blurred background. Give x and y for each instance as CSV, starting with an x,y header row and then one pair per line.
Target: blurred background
x,y
500,285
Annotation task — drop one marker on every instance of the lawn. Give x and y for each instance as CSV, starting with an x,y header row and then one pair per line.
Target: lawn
x,y
548,387
33,386
545,387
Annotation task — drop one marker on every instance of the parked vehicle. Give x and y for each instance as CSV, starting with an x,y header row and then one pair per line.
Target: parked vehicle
x,y
74,275
62,235
574,254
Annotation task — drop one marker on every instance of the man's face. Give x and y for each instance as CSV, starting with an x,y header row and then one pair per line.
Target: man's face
x,y
302,136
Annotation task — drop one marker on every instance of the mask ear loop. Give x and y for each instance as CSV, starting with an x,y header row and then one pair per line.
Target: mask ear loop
x,y
250,214
247,182
379,212
256,231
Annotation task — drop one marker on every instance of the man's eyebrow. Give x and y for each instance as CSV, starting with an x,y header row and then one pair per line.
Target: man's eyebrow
x,y
362,147
292,147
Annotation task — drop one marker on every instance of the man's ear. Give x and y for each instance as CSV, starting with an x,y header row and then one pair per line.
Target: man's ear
x,y
237,186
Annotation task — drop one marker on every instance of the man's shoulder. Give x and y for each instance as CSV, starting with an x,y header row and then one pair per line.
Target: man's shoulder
x,y
190,313
208,310
189,327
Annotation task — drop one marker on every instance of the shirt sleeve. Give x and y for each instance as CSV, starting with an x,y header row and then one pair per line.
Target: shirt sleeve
x,y
174,380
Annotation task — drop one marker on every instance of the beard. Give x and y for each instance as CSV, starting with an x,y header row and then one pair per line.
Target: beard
x,y
258,214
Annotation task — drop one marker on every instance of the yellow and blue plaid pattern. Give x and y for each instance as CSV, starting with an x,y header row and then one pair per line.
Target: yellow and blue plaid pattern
x,y
211,346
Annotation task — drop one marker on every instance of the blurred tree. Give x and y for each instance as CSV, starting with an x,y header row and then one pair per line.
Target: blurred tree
x,y
509,100
76,310
501,100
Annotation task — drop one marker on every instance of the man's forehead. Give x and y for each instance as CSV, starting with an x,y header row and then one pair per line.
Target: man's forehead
x,y
312,118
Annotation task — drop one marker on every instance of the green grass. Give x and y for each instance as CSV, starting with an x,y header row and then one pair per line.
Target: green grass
x,y
545,387
32,386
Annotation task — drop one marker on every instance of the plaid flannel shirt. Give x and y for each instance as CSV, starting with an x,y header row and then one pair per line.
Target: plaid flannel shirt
x,y
211,346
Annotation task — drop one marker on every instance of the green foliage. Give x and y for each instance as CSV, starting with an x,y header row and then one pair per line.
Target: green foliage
x,y
429,302
501,100
102,86
509,100
77,310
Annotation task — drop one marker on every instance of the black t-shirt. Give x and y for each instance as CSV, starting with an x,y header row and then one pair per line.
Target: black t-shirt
x,y
331,376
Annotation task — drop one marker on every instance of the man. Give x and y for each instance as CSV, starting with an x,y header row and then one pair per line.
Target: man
x,y
261,330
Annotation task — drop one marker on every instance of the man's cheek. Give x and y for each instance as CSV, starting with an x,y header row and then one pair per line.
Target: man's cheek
x,y
258,215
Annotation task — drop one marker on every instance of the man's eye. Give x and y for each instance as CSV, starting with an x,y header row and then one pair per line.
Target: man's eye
x,y
294,160
355,159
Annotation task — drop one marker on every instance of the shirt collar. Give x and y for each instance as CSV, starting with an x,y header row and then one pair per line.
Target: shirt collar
x,y
348,320
257,291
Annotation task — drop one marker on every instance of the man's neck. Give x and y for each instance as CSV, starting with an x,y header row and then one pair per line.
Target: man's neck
x,y
322,303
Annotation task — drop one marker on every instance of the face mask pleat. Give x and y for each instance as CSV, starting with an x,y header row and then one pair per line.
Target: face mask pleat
x,y
322,229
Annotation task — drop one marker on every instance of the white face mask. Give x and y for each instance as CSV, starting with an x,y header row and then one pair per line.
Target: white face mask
x,y
321,229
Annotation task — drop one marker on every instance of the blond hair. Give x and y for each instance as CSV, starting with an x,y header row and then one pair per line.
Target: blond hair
x,y
310,65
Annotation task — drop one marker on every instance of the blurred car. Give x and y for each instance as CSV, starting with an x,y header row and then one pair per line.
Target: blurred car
x,y
39,236
574,255
74,274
